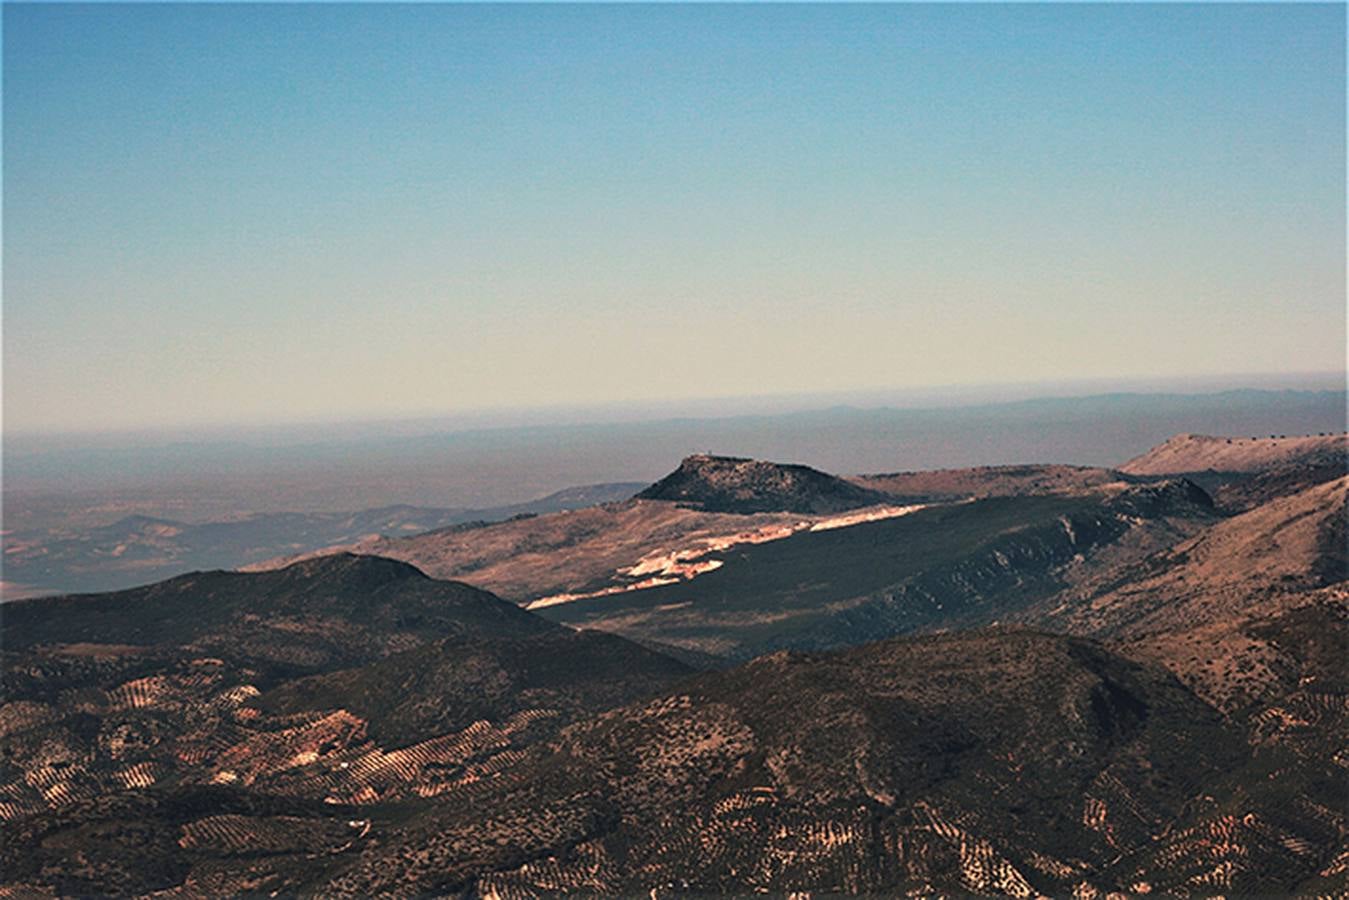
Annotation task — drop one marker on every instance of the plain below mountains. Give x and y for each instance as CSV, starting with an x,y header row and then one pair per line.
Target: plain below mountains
x,y
138,549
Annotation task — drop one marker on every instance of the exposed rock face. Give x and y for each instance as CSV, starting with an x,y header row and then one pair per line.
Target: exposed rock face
x,y
731,484
1170,497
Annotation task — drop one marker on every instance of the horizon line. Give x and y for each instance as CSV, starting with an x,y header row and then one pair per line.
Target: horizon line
x,y
943,396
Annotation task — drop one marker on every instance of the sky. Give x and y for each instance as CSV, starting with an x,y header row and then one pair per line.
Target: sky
x,y
258,214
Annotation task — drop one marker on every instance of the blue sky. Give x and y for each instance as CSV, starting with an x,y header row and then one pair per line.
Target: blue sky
x,y
272,213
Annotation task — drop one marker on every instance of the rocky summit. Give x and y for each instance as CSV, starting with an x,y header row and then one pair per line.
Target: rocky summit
x,y
731,484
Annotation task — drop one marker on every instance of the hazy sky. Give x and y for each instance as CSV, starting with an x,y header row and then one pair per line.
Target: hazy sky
x,y
258,213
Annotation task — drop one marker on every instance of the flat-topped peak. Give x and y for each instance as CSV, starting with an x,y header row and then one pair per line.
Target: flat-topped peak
x,y
741,485
702,458
354,565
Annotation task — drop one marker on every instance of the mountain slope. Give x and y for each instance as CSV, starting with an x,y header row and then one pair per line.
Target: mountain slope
x,y
220,710
1253,615
1003,762
579,550
331,610
449,684
941,567
1241,473
618,546
708,503
1186,453
1191,606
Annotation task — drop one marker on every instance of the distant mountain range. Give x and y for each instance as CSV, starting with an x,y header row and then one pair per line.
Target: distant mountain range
x,y
1036,680
209,476
138,549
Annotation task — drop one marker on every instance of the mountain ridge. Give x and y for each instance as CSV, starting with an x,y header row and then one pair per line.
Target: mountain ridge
x,y
948,565
1202,452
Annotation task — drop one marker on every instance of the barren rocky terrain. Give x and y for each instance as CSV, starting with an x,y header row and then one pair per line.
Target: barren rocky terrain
x,y
1021,681
1244,472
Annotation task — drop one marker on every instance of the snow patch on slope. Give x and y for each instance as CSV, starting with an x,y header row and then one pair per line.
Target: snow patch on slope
x,y
664,567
